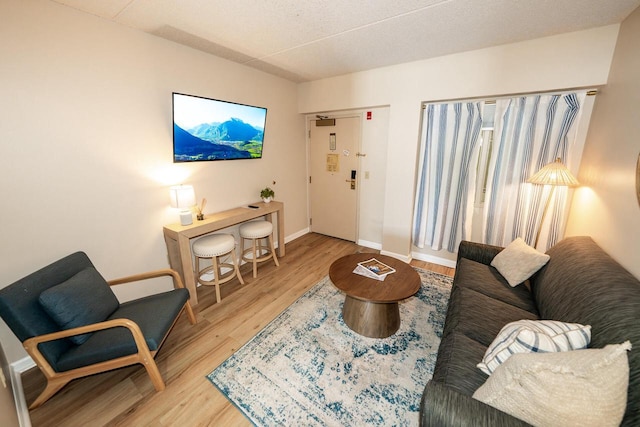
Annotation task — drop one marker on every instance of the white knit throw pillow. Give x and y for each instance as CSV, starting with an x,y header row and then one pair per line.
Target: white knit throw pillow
x,y
573,388
518,261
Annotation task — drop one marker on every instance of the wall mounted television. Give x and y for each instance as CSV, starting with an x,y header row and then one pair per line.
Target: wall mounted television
x,y
207,129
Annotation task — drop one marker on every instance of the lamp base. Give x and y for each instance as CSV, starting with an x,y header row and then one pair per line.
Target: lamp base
x,y
186,218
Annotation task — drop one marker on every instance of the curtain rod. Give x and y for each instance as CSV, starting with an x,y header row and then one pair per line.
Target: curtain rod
x,y
492,99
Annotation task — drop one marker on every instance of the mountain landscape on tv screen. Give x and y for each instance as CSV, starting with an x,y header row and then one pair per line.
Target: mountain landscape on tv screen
x,y
232,139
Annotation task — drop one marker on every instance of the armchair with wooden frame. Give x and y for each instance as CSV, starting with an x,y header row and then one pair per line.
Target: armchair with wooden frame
x,y
72,325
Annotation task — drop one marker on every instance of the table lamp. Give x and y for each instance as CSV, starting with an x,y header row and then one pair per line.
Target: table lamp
x,y
184,198
556,175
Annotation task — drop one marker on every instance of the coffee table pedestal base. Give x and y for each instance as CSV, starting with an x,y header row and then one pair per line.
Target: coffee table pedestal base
x,y
371,319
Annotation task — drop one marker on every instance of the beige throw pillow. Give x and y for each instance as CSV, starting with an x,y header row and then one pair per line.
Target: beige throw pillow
x,y
573,388
518,261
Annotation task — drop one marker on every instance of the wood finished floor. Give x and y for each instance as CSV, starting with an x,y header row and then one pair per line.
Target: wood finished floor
x,y
126,397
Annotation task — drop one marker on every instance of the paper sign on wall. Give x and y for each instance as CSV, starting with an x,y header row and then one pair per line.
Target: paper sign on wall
x,y
333,163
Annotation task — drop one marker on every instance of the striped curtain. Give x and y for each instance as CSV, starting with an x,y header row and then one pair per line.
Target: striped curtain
x,y
446,174
530,132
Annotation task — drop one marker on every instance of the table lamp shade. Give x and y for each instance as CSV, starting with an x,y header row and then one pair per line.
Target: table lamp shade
x,y
554,174
183,197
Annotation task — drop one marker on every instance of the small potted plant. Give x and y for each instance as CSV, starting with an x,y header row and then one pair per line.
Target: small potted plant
x,y
267,194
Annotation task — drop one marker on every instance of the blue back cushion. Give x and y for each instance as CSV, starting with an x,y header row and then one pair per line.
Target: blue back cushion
x,y
81,300
22,312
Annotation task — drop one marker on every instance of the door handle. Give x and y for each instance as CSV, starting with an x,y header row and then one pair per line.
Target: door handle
x,y
352,180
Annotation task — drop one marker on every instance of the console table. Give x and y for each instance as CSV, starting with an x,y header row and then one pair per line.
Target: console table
x,y
178,237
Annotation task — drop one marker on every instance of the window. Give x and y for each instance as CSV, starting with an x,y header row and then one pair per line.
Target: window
x,y
486,144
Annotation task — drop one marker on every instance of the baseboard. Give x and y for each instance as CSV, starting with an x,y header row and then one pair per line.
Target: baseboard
x,y
405,258
23,365
434,259
294,236
16,369
371,245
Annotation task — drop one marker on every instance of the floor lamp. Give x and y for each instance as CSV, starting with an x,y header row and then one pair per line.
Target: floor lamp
x,y
556,175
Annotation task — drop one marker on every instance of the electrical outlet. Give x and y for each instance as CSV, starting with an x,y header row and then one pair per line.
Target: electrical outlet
x,y
366,174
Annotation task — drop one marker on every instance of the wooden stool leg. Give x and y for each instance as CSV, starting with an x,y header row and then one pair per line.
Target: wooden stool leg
x,y
260,247
236,266
255,259
216,275
273,250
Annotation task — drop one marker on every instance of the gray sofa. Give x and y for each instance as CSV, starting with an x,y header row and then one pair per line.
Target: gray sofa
x,y
579,284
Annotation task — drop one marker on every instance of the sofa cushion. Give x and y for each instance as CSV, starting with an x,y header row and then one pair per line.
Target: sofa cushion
x,y
488,281
519,261
581,387
455,366
81,300
583,284
442,406
154,315
534,336
480,317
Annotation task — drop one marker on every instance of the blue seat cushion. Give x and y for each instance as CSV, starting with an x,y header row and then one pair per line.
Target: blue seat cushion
x,y
81,300
154,314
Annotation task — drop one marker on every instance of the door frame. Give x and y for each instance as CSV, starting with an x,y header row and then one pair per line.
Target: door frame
x,y
334,115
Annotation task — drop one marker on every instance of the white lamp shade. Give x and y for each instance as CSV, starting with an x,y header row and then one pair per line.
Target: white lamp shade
x,y
554,174
182,196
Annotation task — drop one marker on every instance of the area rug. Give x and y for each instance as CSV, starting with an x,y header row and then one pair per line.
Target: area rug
x,y
308,368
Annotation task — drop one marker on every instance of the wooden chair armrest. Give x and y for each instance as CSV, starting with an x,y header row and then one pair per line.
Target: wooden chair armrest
x,y
177,284
31,344
113,323
177,281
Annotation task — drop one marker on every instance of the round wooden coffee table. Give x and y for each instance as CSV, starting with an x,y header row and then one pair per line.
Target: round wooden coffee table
x,y
371,306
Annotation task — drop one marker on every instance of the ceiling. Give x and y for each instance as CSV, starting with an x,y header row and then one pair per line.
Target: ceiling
x,y
304,40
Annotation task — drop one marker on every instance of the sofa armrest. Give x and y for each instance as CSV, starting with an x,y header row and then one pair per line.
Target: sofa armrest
x,y
442,406
478,252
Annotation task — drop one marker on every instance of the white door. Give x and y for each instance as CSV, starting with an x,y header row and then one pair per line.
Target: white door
x,y
334,180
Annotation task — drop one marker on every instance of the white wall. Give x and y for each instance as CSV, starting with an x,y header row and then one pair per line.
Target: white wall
x,y
373,174
579,59
605,206
86,148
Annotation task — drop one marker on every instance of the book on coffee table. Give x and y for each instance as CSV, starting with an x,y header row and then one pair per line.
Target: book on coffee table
x,y
373,269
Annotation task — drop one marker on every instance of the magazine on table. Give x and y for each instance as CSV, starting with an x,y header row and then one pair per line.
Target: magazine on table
x,y
373,269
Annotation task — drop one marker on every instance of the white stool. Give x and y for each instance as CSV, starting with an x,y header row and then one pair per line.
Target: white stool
x,y
256,231
213,246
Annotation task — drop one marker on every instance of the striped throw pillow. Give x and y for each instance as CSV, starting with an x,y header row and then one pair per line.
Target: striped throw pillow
x,y
534,336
